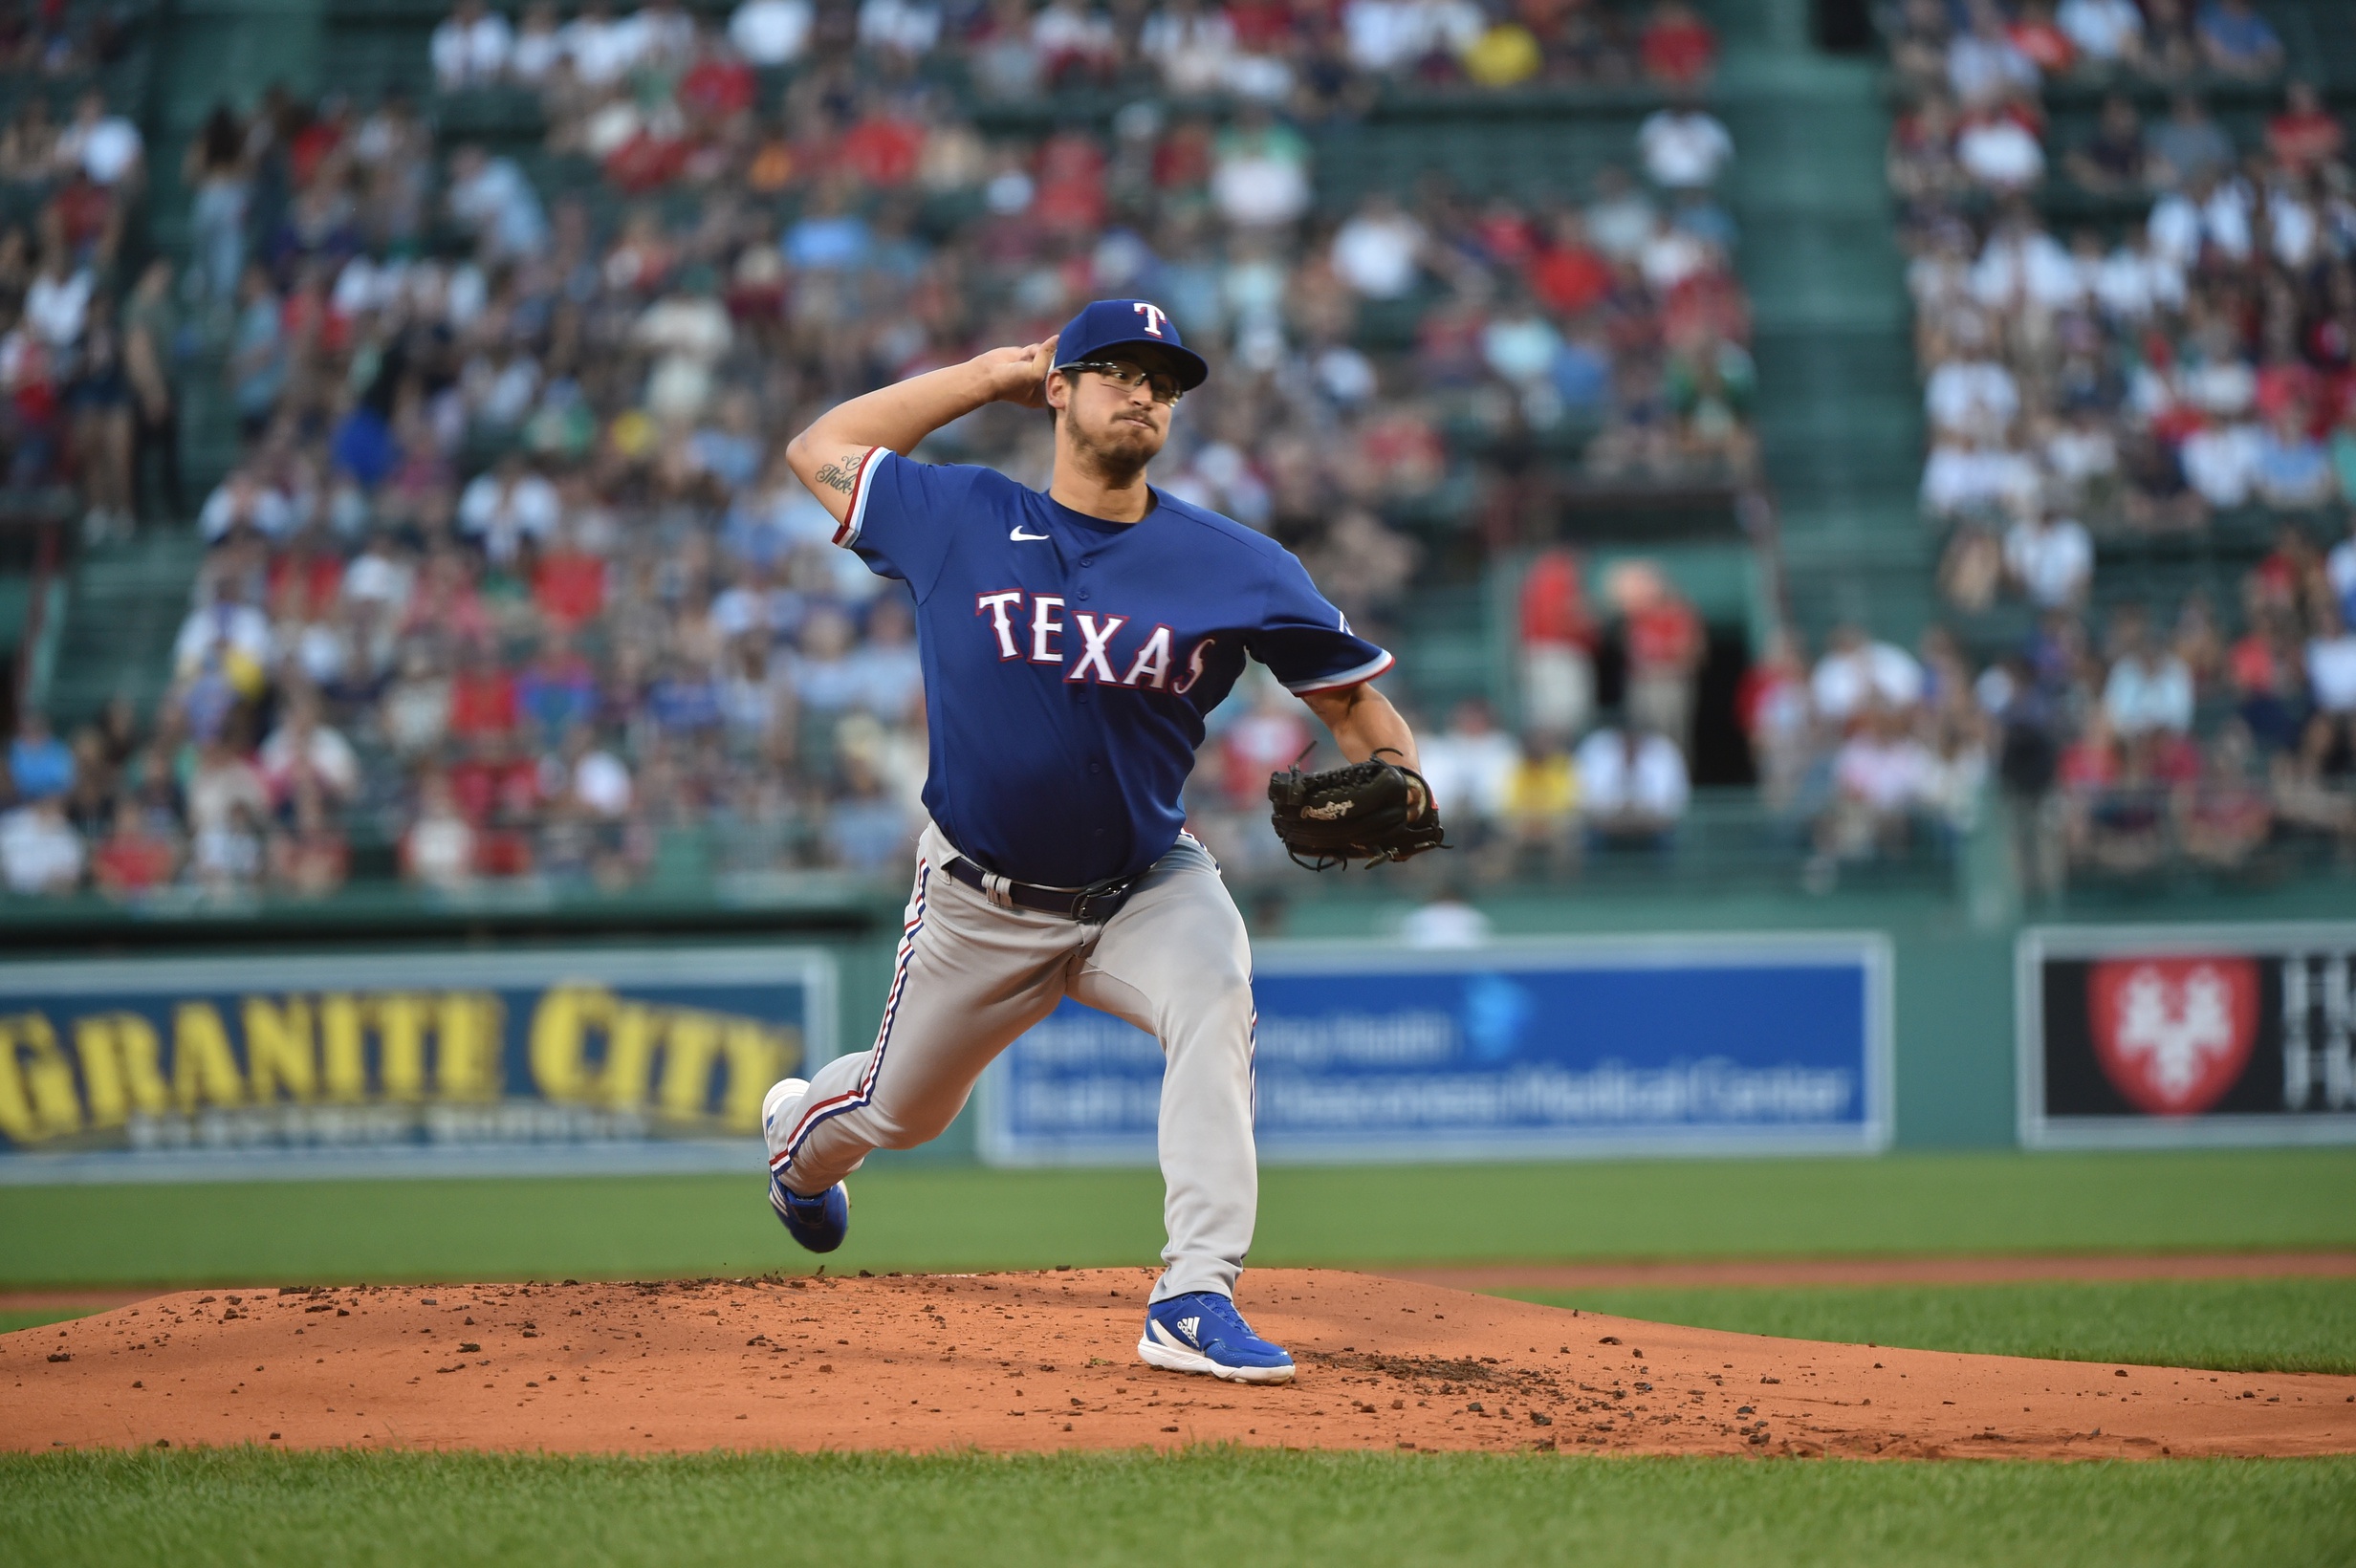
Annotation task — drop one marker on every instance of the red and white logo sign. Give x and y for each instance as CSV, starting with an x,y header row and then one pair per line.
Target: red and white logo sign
x,y
2174,1034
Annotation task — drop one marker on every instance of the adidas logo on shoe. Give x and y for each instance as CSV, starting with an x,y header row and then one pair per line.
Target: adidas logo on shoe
x,y
1202,1332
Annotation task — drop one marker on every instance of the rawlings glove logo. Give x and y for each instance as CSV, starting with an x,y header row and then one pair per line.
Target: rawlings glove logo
x,y
1369,811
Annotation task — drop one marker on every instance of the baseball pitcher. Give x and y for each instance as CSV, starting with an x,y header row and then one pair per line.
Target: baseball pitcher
x,y
1072,642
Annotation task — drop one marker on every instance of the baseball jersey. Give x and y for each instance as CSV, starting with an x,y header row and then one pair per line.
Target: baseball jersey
x,y
1069,661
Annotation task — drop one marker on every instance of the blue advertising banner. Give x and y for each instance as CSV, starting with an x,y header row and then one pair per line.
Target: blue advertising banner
x,y
1514,1050
429,1062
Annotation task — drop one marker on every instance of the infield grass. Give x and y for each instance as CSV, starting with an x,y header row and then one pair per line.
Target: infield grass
x,y
2240,1326
936,1218
1204,1505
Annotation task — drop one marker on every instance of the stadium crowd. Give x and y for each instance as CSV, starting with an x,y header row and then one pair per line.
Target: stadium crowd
x,y
509,577
2175,361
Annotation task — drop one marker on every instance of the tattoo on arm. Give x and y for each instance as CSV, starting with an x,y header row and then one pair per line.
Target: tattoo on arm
x,y
840,473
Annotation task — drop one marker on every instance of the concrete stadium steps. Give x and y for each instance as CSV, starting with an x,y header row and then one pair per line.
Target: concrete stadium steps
x,y
1839,415
1841,435
123,608
1448,649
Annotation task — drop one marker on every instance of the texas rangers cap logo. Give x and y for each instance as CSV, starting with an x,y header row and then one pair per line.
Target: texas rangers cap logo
x,y
1108,325
2173,1034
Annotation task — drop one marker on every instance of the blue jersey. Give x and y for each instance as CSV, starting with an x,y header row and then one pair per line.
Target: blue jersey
x,y
1069,661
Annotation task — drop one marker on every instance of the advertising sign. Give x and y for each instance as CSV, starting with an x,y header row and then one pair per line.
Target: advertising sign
x,y
431,1062
1514,1050
2160,1035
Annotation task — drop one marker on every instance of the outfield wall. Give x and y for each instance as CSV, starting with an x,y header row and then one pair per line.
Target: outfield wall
x,y
164,1028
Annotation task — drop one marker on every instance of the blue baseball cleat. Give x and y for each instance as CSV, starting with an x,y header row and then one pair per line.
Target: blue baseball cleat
x,y
820,1222
1203,1331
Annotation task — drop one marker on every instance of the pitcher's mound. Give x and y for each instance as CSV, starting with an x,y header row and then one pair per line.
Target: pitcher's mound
x,y
1048,1360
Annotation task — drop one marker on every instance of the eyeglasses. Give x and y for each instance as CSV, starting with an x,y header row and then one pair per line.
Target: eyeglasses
x,y
1130,378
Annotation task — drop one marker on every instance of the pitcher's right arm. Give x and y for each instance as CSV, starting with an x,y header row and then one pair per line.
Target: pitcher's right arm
x,y
826,457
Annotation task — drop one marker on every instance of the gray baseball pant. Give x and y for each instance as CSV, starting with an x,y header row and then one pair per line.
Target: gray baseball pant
x,y
970,976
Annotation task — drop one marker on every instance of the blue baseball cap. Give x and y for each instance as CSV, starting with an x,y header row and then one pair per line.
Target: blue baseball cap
x,y
1129,323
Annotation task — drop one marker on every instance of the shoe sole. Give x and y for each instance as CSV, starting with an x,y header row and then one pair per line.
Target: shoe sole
x,y
1176,1359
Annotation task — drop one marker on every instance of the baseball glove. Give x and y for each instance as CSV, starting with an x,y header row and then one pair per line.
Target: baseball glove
x,y
1371,810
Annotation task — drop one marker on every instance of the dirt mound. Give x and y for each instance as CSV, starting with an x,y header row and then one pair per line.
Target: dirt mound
x,y
1048,1360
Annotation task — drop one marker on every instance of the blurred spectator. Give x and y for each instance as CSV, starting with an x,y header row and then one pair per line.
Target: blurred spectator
x,y
150,333
218,172
1678,48
1984,65
1377,250
2107,33
2187,145
1632,789
2331,663
1446,922
2148,689
307,856
40,765
39,850
1995,150
2228,817
1665,644
2040,38
471,48
1558,639
2237,41
505,508
2305,138
1884,777
774,33
491,197
105,146
1468,766
438,850
1267,739
135,857
2290,468
2114,160
2051,560
1539,807
1857,672
1684,147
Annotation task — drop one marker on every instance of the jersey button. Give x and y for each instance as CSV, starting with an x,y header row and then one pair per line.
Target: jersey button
x,y
1096,767
1087,560
1083,593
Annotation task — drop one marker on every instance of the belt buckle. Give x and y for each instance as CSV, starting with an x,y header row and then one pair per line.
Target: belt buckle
x,y
1087,897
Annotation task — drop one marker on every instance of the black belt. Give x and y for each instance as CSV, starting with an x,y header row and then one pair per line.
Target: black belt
x,y
1097,902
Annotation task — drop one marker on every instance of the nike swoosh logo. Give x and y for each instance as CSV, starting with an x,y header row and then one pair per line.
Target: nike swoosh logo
x,y
1018,534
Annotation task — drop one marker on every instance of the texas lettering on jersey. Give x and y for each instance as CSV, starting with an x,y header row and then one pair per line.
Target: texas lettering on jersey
x,y
1069,661
1037,637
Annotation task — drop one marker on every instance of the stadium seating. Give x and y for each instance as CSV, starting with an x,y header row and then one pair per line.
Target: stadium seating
x,y
1801,522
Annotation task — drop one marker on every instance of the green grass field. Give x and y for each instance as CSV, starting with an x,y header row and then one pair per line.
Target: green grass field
x,y
2235,1325
1251,1506
920,1218
1208,1505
